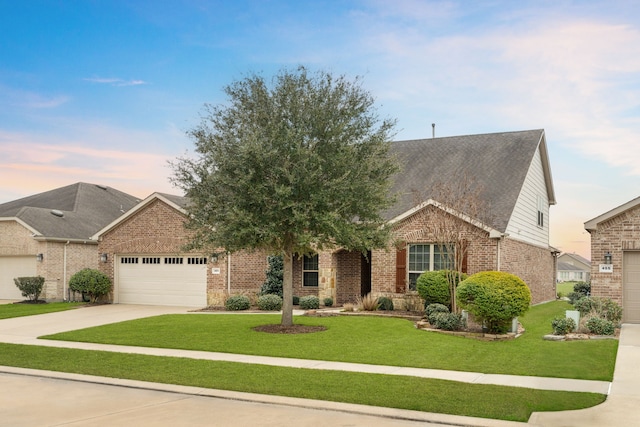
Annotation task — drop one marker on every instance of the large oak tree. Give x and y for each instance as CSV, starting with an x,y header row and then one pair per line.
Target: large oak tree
x,y
291,165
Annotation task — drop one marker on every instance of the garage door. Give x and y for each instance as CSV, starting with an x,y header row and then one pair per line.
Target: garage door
x,y
162,280
12,267
631,287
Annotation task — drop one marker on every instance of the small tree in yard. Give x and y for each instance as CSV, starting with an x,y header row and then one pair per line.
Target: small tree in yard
x,y
273,284
30,287
458,214
292,168
93,283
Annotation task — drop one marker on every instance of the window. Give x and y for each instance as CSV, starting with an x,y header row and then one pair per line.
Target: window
x,y
174,260
310,270
129,260
427,257
194,260
540,211
151,260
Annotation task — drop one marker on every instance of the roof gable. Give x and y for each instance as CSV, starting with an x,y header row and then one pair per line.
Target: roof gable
x,y
500,161
73,212
592,224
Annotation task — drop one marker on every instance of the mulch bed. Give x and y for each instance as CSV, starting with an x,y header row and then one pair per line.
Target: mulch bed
x,y
294,329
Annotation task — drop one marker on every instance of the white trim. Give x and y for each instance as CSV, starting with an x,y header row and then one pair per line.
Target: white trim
x,y
35,232
132,211
593,223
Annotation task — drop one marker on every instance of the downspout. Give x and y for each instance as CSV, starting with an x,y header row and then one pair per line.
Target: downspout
x,y
498,246
65,297
228,274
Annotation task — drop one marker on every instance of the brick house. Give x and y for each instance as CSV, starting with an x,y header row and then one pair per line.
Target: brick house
x,y
145,259
48,234
615,257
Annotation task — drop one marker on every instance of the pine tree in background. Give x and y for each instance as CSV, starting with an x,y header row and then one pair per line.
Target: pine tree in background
x,y
275,274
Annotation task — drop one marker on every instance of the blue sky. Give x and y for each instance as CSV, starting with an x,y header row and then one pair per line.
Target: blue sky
x,y
103,91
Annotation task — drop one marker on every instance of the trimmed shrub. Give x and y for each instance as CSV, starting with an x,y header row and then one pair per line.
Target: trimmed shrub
x,y
328,302
600,326
435,308
563,325
275,275
385,304
574,296
90,282
446,321
237,303
433,286
310,302
495,297
270,302
30,287
296,300
583,288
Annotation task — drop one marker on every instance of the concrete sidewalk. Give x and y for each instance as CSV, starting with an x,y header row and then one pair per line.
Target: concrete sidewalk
x,y
624,393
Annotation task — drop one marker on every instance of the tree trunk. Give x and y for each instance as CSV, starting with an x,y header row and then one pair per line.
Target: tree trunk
x,y
287,290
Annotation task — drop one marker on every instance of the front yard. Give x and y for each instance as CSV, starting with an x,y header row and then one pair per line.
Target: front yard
x,y
370,340
25,309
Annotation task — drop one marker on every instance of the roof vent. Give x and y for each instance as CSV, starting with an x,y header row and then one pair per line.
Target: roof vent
x,y
102,187
57,213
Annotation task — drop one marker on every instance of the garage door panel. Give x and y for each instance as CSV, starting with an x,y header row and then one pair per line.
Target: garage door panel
x,y
631,287
12,267
161,283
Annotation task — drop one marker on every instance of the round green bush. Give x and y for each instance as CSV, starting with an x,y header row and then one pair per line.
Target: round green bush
x,y
433,286
600,326
310,302
574,296
237,303
563,325
583,288
385,303
270,302
328,302
446,321
433,309
494,297
90,282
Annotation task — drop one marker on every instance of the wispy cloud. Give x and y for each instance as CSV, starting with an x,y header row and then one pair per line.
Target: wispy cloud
x,y
116,81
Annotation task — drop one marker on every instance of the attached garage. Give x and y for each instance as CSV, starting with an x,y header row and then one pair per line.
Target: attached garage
x,y
161,280
631,287
12,267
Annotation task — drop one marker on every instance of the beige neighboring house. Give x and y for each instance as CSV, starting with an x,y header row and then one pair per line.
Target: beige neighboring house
x,y
615,257
573,268
49,235
143,249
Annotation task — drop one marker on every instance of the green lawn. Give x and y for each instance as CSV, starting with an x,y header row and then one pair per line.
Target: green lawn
x,y
18,310
565,287
447,397
371,340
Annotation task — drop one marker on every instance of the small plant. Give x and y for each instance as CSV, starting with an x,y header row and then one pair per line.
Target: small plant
x,y
432,309
310,302
328,302
605,308
90,282
574,296
30,287
563,325
270,302
600,326
237,303
385,303
349,307
296,300
446,321
367,303
495,297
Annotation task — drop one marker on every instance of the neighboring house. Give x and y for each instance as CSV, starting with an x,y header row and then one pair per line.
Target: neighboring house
x,y
144,247
49,235
573,268
615,257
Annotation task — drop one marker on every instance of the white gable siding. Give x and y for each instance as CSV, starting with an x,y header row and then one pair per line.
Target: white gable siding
x,y
523,224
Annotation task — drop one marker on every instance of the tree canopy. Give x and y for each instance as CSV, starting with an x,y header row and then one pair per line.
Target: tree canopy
x,y
291,167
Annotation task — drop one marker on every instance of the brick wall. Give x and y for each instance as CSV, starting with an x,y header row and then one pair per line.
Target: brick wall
x,y
534,265
616,235
76,255
17,240
348,278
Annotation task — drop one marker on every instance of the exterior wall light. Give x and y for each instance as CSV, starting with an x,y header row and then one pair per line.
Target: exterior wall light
x,y
104,257
214,258
607,258
40,257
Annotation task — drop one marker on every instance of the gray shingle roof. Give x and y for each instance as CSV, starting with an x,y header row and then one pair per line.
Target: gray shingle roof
x,y
500,161
565,266
86,208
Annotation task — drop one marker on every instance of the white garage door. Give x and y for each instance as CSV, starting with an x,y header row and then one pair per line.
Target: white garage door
x,y
162,280
631,287
12,267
